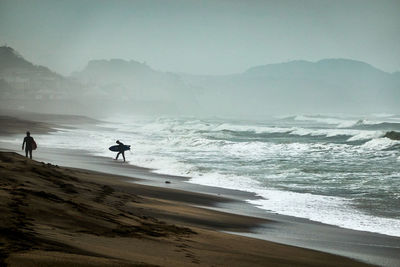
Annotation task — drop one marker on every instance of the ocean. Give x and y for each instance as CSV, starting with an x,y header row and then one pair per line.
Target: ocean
x,y
334,169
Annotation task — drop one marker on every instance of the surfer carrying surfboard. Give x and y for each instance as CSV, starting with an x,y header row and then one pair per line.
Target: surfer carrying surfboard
x,y
121,150
29,144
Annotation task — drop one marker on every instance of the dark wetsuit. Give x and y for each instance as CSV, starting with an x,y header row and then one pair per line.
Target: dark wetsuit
x,y
28,142
121,149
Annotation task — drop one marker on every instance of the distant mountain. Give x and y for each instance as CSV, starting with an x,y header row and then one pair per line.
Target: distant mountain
x,y
104,86
113,71
344,66
329,85
138,84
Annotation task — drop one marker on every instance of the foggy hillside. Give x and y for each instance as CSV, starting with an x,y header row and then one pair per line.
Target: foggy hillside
x,y
137,85
26,86
116,85
102,88
330,85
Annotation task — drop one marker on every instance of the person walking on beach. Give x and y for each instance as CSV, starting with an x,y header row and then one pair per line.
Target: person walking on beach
x,y
121,149
29,144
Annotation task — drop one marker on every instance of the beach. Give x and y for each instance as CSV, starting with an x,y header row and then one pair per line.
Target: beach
x,y
68,207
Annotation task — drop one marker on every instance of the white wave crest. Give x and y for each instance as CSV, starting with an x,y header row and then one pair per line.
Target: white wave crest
x,y
341,123
355,134
380,143
251,128
365,135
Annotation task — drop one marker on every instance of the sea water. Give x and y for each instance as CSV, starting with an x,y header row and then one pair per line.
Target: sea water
x,y
338,170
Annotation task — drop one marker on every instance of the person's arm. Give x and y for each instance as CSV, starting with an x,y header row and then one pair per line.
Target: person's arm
x,y
23,143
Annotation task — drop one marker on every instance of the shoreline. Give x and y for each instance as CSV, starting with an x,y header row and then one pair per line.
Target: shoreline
x,y
368,247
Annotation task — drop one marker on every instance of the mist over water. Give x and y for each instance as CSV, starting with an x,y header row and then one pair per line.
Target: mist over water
x,y
338,170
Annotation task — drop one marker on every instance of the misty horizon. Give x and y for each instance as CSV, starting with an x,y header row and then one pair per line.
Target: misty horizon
x,y
129,60
202,58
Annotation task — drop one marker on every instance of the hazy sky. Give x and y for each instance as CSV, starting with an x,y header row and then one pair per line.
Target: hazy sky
x,y
201,37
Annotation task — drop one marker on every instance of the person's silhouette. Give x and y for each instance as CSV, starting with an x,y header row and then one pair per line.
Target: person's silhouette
x,y
121,149
29,143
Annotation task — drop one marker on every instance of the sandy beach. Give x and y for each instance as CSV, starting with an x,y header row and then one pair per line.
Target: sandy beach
x,y
67,208
199,133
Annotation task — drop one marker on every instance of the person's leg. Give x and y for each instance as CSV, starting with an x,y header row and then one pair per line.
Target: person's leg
x,y
30,153
118,155
26,152
123,155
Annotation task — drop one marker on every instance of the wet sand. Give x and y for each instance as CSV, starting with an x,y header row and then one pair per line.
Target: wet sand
x,y
67,216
